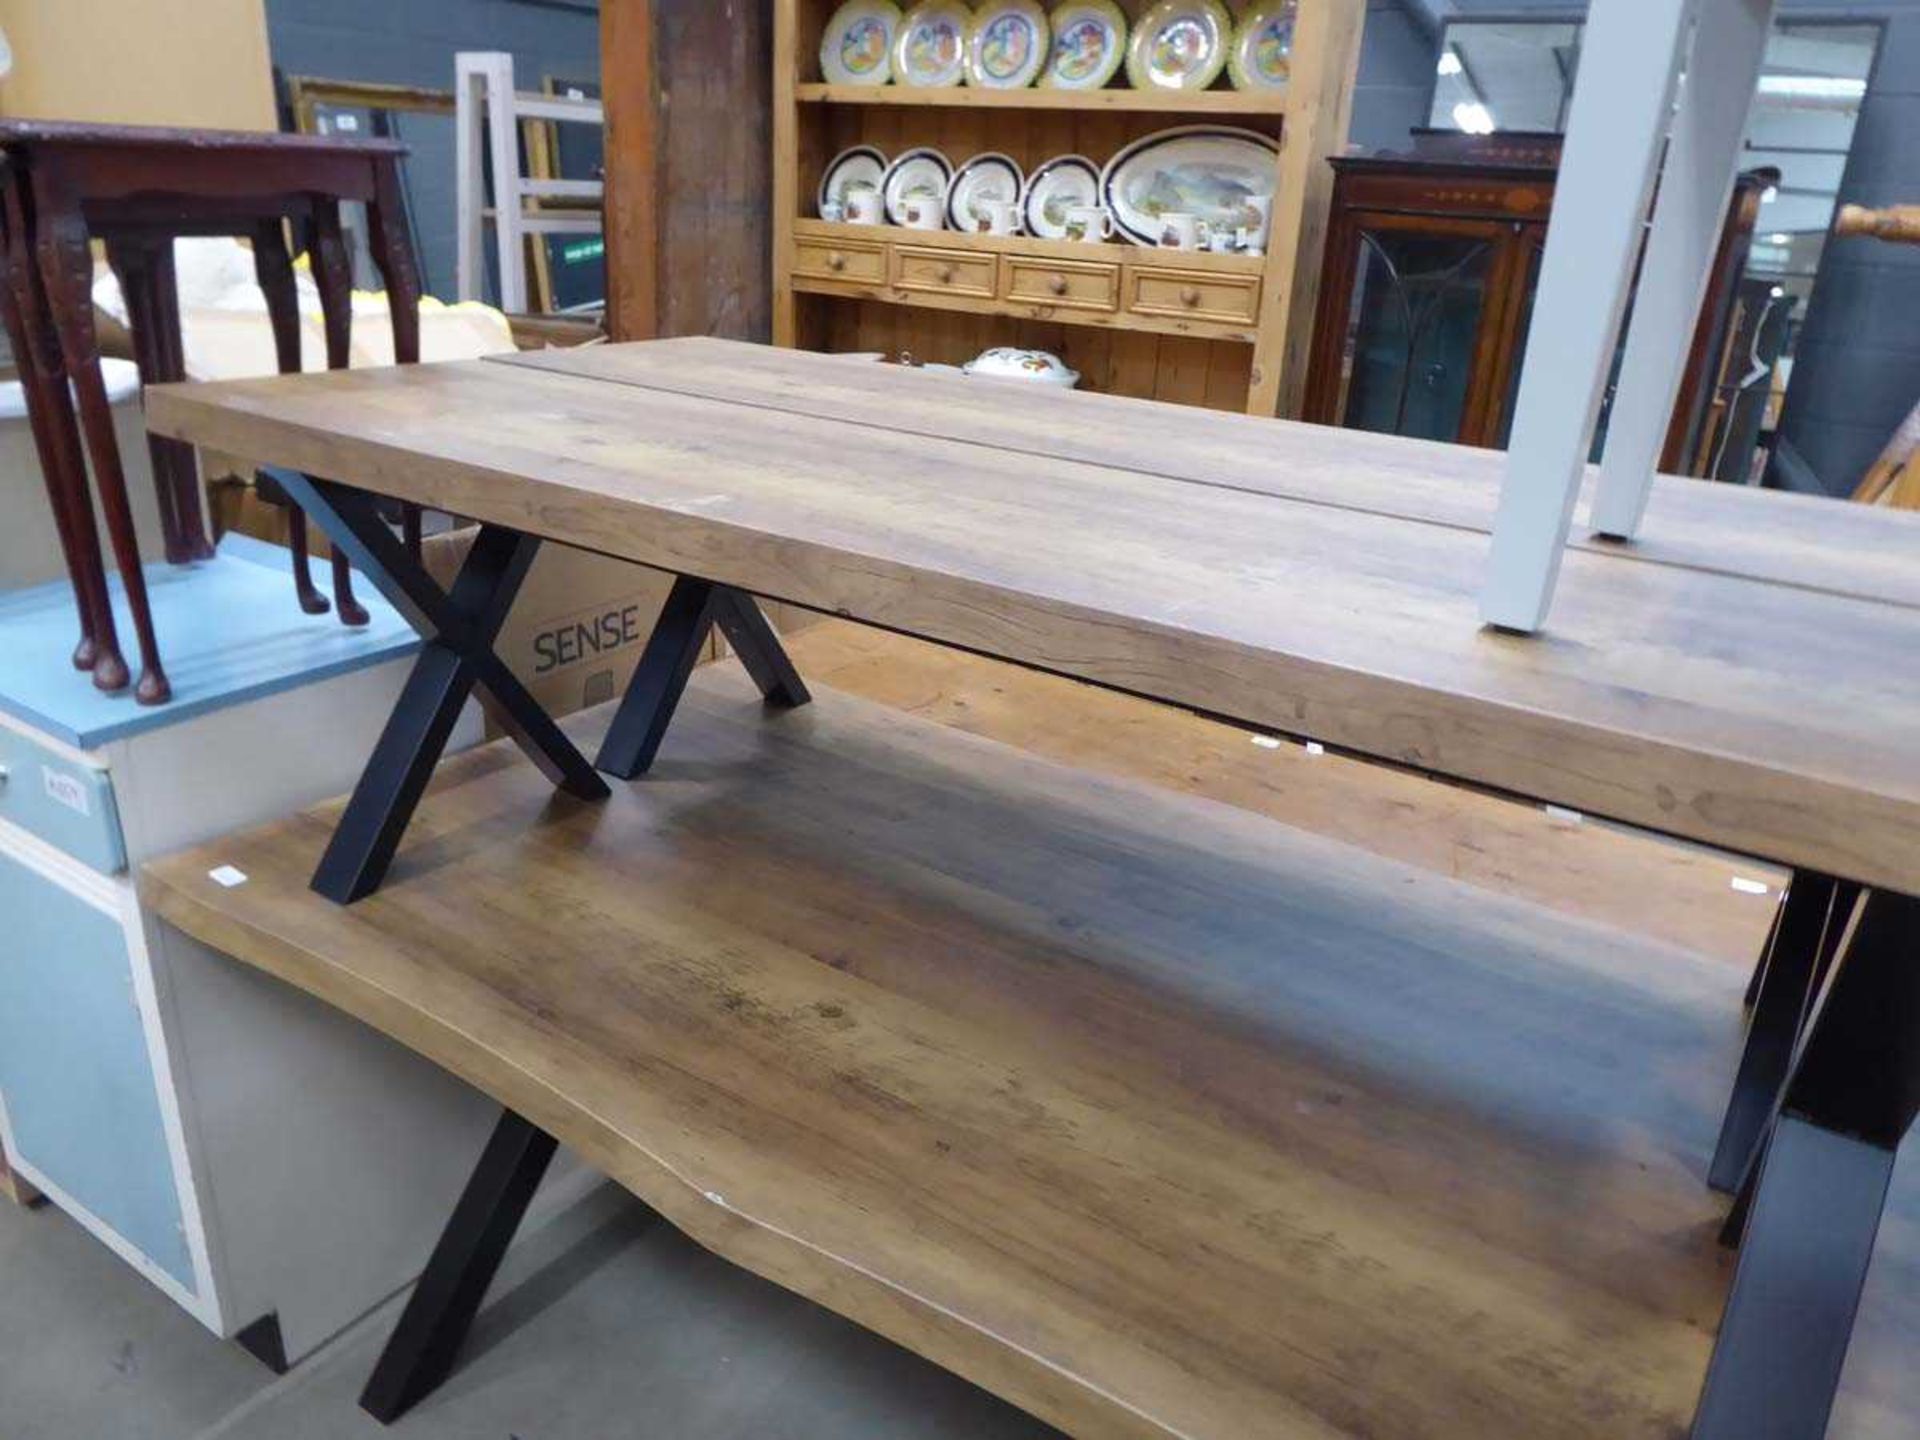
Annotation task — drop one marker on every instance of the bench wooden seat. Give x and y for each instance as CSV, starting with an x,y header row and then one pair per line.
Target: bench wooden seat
x,y
1142,1111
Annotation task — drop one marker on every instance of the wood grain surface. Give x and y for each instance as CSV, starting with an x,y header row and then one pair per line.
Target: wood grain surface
x,y
1776,719
1666,890
1770,535
1149,1113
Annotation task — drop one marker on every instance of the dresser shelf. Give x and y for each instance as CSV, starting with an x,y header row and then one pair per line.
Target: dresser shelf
x,y
1118,98
1223,331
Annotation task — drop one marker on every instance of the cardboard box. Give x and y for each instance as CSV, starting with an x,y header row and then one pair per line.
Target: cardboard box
x,y
577,629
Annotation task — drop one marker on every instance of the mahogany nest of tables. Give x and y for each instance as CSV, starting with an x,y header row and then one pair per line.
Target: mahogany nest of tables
x,y
137,188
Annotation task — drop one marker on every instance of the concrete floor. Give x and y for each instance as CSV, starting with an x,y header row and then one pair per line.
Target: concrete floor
x,y
601,1326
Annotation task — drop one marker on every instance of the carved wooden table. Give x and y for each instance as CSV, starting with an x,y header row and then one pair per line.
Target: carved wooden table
x,y
137,188
1743,678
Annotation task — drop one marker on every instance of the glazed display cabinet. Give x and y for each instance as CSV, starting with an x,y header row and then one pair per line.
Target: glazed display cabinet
x,y
1426,297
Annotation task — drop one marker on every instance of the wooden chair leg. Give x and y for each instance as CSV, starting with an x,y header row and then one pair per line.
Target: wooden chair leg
x,y
182,467
333,274
132,260
273,270
393,255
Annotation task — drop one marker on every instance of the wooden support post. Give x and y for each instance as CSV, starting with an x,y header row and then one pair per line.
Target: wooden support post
x,y
1702,160
632,165
1622,103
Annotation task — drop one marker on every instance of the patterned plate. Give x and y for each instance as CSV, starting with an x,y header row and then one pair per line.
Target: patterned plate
x,y
1179,45
860,165
931,48
924,171
1064,181
1204,170
1089,44
1261,57
1008,45
856,48
984,177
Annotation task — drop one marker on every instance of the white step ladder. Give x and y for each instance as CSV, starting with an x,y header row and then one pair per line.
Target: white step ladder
x,y
489,112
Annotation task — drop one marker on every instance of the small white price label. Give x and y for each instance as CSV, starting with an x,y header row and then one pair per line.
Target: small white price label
x,y
67,790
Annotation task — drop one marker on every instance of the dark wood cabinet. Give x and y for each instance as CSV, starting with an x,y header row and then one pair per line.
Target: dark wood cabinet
x,y
1426,293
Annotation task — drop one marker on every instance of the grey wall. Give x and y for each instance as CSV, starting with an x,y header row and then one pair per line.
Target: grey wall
x,y
1857,371
1391,93
1858,368
412,42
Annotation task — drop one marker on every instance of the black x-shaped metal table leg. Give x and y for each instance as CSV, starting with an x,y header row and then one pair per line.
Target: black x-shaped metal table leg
x,y
693,608
459,627
1806,934
1819,1188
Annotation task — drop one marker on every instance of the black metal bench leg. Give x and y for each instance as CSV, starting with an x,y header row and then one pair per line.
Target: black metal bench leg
x,y
1759,976
693,607
1820,1190
761,653
1780,1007
459,627
421,1351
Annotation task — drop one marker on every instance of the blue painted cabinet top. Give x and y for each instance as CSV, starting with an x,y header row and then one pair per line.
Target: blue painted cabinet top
x,y
230,631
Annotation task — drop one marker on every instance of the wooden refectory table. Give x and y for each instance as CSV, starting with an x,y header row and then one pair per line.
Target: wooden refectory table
x,y
1746,679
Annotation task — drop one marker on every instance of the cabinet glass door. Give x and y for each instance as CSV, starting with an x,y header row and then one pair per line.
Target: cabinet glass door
x,y
1414,327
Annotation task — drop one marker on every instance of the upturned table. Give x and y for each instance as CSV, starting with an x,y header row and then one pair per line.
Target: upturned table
x,y
1745,678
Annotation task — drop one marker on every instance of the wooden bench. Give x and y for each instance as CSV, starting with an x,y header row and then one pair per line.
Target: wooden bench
x,y
1138,1109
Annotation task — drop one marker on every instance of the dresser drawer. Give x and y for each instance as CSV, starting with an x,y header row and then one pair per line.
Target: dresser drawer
x,y
857,261
1063,284
67,804
944,272
1195,295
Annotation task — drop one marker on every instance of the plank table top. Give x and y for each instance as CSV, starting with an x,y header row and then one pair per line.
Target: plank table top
x,y
1745,679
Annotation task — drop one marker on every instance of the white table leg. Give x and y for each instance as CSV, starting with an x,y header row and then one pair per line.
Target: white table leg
x,y
1695,188
1622,104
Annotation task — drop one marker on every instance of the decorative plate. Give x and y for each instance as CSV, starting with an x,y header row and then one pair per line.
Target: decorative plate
x,y
1008,45
860,165
856,48
1204,170
1261,56
1179,45
931,47
922,171
1061,182
984,177
1089,44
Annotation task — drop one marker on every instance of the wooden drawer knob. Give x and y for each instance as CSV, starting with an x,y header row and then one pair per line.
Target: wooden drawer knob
x,y
836,261
1189,297
1057,284
944,274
